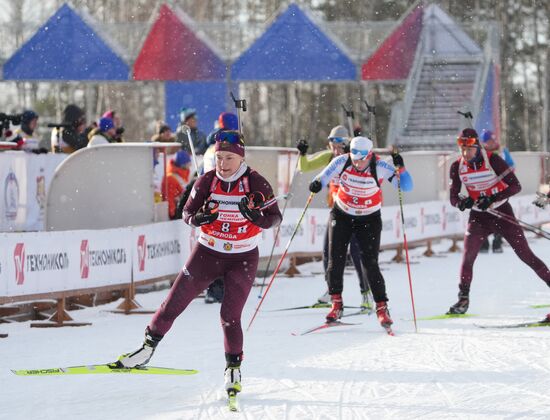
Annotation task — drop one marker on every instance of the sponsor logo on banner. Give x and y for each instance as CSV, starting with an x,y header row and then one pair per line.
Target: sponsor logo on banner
x,y
142,252
41,191
84,259
25,263
99,257
11,196
156,250
19,261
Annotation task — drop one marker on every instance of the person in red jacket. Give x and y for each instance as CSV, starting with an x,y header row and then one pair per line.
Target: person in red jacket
x,y
489,182
177,178
227,206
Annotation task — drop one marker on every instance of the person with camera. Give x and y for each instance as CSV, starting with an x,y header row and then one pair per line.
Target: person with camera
x,y
226,205
337,140
356,211
119,129
489,183
29,122
69,136
188,117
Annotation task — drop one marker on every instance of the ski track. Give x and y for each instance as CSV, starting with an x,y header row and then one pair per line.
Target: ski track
x,y
450,369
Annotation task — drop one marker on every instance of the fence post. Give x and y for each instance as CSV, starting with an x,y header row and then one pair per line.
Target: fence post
x,y
59,318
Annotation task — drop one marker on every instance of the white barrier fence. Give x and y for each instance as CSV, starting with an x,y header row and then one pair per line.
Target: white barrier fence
x,y
50,262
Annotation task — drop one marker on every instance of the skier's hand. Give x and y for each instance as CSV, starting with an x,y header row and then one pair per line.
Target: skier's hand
x,y
207,214
398,160
250,208
315,186
484,202
465,202
542,200
302,146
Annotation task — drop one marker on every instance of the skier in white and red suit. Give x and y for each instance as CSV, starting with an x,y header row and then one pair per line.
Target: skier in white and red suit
x,y
227,204
356,211
489,182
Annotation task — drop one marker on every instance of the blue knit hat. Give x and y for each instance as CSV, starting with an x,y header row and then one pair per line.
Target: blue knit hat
x,y
228,121
105,124
182,158
486,136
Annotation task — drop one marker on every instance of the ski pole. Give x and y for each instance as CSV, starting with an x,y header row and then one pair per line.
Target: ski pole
x,y
405,244
191,146
531,228
273,200
278,231
350,116
372,122
239,104
308,202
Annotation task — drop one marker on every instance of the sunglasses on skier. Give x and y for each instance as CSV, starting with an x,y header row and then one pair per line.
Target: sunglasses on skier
x,y
337,140
360,154
467,141
229,136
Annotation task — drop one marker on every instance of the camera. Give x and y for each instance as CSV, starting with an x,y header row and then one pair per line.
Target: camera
x,y
6,123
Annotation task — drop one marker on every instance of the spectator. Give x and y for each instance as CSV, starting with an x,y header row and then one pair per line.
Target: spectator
x,y
164,134
177,178
103,134
70,138
29,121
188,117
118,125
226,121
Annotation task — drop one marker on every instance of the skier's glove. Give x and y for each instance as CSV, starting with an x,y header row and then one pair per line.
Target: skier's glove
x,y
302,146
542,200
483,203
315,186
249,206
207,214
464,202
398,160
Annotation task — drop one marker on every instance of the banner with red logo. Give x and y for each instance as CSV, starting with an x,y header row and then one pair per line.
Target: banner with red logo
x,y
45,262
160,249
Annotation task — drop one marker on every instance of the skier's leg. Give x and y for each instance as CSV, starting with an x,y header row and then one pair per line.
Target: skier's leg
x,y
200,270
355,251
325,298
238,279
516,238
339,237
368,234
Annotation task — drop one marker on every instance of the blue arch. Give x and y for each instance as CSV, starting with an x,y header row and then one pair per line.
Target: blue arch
x,y
293,48
65,48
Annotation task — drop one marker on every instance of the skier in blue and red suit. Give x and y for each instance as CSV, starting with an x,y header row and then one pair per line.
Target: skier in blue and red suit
x,y
489,182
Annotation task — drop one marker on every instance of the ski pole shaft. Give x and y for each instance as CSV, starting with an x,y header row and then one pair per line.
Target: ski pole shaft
x,y
192,147
405,244
272,201
308,202
350,116
278,231
531,228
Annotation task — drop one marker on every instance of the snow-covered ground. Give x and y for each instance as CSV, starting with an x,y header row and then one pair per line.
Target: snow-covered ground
x,y
449,369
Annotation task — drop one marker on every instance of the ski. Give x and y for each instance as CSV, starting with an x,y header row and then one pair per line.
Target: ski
x,y
325,326
314,306
444,316
542,305
232,402
103,369
543,323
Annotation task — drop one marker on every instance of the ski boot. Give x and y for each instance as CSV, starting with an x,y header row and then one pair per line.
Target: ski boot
x,y
497,244
233,372
325,299
366,303
383,314
141,356
484,246
337,308
460,307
